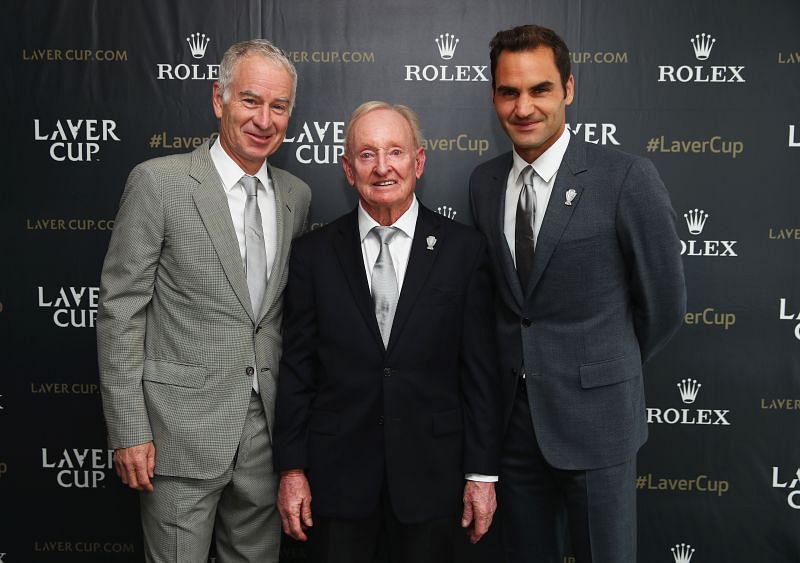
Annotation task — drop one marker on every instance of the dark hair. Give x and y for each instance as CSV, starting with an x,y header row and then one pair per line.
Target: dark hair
x,y
529,37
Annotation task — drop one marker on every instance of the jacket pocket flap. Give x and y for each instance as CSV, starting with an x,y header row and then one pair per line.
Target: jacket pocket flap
x,y
447,422
171,373
611,371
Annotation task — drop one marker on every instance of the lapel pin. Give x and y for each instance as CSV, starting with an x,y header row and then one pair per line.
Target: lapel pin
x,y
431,240
570,196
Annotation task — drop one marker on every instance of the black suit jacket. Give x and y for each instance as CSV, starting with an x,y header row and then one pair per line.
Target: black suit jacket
x,y
606,292
420,413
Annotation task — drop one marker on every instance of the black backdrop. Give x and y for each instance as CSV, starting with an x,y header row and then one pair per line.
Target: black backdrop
x,y
94,87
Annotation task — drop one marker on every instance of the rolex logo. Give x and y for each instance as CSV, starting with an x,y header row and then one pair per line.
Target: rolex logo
x,y
688,389
682,553
447,44
197,44
446,211
702,43
695,220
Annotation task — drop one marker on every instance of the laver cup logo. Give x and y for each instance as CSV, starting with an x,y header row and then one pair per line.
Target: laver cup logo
x,y
446,45
787,313
701,46
73,307
75,140
79,468
196,45
789,482
317,142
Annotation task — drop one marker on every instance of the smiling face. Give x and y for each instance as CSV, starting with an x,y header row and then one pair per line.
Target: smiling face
x,y
254,112
383,164
530,100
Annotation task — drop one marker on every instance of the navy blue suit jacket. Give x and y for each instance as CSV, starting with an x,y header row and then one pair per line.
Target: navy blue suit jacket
x,y
606,292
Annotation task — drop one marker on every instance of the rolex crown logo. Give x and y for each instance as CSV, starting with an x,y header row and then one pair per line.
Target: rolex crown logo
x,y
446,211
688,389
447,44
682,553
702,43
695,220
197,44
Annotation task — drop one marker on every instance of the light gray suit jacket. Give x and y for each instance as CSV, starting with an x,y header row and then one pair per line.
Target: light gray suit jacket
x,y
606,292
177,337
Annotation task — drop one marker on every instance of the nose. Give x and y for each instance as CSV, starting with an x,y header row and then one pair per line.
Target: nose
x,y
524,106
381,163
263,117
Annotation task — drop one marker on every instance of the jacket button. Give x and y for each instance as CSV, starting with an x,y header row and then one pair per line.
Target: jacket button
x,y
249,370
526,322
380,420
257,329
387,372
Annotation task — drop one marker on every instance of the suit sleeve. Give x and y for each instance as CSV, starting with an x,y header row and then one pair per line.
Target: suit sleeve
x,y
296,388
646,229
480,381
126,288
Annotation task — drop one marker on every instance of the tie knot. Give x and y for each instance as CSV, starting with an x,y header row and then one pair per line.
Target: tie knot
x,y
250,184
385,234
527,175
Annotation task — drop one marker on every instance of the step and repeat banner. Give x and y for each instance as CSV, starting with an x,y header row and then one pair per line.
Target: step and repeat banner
x,y
710,91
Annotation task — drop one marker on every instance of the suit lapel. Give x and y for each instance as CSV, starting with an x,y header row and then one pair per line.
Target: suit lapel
x,y
420,262
212,204
348,249
558,212
513,287
284,204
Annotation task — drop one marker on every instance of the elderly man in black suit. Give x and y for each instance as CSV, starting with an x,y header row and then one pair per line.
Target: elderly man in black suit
x,y
387,401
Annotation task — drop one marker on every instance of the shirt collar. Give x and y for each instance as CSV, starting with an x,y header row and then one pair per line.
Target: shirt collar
x,y
229,172
548,162
406,224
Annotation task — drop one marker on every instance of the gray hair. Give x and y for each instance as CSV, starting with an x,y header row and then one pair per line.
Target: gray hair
x,y
406,112
262,48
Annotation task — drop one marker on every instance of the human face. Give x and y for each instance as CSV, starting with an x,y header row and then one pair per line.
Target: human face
x,y
253,120
530,100
384,164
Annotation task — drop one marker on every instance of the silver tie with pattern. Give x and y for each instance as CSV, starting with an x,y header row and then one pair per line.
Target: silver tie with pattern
x,y
384,283
255,253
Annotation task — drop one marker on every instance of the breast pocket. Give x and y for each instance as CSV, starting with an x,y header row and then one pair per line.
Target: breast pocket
x,y
441,297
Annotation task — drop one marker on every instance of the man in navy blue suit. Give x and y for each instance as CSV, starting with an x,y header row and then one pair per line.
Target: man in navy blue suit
x,y
587,268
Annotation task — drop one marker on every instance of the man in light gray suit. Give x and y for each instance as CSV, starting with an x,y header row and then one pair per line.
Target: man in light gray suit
x,y
590,285
189,336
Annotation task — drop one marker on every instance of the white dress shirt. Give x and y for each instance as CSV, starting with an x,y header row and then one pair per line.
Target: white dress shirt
x,y
230,174
545,168
400,249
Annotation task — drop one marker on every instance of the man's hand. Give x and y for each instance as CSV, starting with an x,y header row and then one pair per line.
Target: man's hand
x,y
479,506
294,503
135,465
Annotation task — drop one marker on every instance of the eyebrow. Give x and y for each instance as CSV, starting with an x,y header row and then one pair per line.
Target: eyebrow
x,y
251,94
503,88
248,94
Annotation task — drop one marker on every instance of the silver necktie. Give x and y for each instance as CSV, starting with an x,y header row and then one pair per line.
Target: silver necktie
x,y
384,283
255,253
523,228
